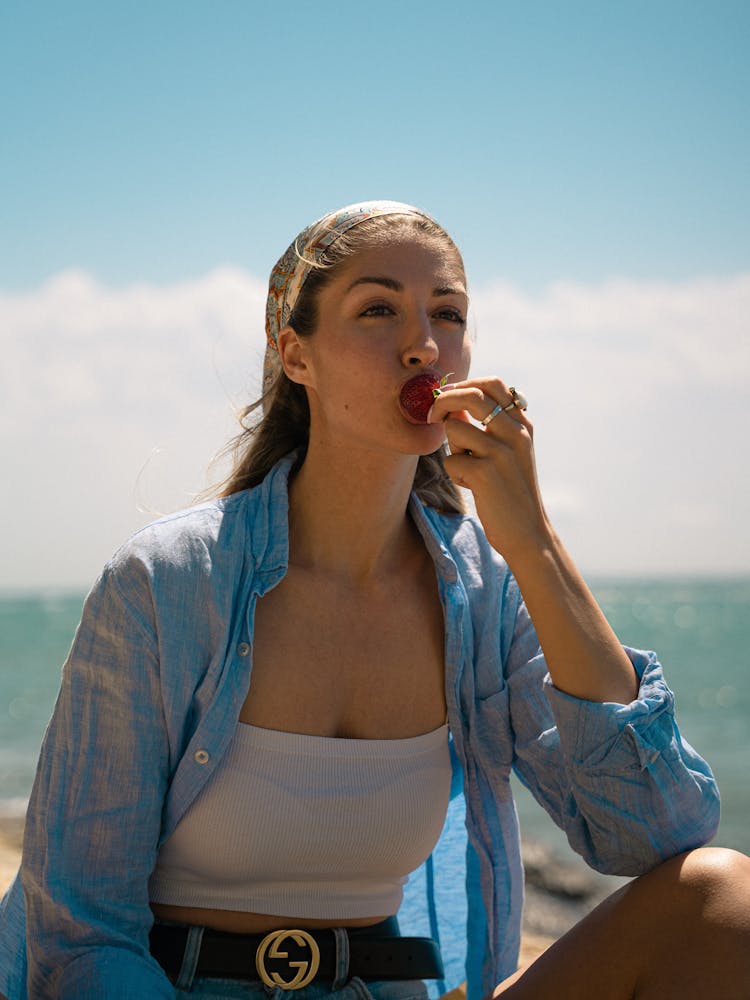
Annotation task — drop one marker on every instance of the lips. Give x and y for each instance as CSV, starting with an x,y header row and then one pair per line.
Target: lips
x,y
417,396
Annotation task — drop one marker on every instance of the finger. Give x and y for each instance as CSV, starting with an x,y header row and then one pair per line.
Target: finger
x,y
484,399
460,469
492,387
466,437
504,420
463,436
469,399
512,406
455,400
502,414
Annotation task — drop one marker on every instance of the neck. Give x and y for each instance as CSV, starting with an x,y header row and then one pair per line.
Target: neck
x,y
348,513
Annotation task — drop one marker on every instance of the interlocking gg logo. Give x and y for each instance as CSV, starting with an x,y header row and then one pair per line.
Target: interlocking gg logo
x,y
271,947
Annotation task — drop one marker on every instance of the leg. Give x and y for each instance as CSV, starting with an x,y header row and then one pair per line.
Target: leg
x,y
681,932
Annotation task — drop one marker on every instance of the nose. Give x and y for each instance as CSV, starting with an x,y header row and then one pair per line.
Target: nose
x,y
420,348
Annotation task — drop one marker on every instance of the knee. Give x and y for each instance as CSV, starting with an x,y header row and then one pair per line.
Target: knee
x,y
717,879
710,867
700,901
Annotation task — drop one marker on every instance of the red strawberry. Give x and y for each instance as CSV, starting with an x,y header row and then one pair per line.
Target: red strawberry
x,y
418,395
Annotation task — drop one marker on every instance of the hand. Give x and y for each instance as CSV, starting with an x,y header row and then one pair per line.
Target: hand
x,y
496,463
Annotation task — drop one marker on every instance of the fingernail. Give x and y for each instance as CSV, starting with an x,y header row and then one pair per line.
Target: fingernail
x,y
429,414
450,385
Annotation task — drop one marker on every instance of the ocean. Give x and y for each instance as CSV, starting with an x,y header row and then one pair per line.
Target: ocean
x,y
699,627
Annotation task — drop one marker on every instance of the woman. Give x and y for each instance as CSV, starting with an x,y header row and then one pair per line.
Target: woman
x,y
272,696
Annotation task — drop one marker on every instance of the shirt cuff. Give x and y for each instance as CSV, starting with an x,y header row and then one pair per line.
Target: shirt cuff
x,y
612,736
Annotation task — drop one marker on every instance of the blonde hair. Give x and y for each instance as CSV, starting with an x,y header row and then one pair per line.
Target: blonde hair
x,y
281,417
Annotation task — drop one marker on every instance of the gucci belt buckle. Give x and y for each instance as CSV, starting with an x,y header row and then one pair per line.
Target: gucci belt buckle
x,y
302,971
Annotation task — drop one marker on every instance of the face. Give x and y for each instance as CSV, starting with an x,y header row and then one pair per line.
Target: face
x,y
389,314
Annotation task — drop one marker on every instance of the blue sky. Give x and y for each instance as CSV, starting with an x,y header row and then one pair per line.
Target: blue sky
x,y
590,158
559,139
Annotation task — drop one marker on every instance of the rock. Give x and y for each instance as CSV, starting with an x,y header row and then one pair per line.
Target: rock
x,y
546,871
559,892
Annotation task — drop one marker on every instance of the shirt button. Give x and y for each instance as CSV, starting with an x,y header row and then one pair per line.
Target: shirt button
x,y
244,648
201,756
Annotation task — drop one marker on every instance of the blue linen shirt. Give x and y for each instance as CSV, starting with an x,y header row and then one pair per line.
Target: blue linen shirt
x,y
150,696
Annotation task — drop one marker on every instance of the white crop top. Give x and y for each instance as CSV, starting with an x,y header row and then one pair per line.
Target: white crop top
x,y
308,826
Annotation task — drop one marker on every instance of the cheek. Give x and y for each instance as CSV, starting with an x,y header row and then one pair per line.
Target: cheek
x,y
463,360
345,388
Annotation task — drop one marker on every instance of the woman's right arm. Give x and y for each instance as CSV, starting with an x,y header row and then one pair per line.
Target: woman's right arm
x,y
95,811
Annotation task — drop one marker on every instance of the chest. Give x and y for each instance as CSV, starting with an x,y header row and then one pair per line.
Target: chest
x,y
365,663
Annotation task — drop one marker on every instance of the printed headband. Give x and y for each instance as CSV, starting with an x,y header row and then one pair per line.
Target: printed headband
x,y
291,270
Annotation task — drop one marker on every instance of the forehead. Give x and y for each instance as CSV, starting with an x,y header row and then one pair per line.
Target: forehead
x,y
412,257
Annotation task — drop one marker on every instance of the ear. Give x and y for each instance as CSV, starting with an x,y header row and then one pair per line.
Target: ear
x,y
293,355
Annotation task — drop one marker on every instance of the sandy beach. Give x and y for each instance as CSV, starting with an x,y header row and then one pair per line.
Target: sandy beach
x,y
11,836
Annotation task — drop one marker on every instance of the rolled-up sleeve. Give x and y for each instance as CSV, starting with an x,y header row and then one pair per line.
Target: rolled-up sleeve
x,y
620,780
95,811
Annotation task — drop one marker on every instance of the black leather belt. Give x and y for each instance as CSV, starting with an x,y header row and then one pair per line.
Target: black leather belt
x,y
293,958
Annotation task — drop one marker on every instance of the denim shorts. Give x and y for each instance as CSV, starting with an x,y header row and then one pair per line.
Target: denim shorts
x,y
354,989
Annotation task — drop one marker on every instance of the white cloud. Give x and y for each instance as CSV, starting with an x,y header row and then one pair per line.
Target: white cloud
x,y
639,393
114,400
118,397
650,333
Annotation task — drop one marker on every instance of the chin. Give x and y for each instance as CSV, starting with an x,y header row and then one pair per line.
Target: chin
x,y
429,442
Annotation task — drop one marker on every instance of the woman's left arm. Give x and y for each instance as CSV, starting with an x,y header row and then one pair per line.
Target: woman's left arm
x,y
619,779
496,462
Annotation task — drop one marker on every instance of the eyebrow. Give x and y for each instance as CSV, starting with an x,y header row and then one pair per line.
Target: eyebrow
x,y
397,286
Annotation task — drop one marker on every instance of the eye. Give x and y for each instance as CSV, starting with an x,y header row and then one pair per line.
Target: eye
x,y
451,314
380,309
